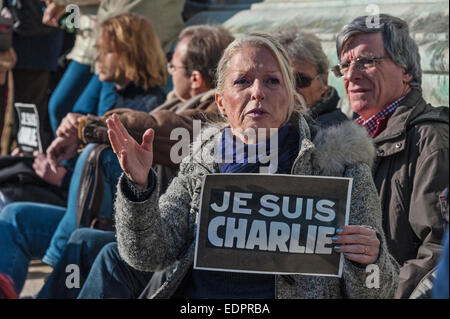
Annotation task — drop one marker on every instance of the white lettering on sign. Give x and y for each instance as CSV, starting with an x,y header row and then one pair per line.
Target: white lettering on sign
x,y
270,206
27,118
276,235
281,237
28,136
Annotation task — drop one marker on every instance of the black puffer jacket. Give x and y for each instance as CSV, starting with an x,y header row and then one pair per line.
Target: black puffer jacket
x,y
325,111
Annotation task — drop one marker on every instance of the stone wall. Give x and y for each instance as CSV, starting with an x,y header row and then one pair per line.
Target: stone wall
x,y
428,21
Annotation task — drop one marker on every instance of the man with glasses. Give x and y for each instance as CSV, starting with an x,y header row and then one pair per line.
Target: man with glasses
x,y
310,66
381,71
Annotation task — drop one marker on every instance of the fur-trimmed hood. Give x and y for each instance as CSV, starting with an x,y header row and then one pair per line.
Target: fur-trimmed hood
x,y
332,148
342,145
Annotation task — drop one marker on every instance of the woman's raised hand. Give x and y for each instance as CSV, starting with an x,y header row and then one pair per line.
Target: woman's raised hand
x,y
136,160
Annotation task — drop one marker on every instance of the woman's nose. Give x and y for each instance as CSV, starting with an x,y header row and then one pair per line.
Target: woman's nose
x,y
257,91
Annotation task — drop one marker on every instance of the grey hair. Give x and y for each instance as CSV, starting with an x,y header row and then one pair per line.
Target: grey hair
x,y
262,40
399,45
304,47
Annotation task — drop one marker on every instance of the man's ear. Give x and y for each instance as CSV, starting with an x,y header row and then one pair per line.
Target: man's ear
x,y
197,80
406,77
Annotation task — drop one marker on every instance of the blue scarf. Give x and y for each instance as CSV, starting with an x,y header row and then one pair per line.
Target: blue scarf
x,y
242,162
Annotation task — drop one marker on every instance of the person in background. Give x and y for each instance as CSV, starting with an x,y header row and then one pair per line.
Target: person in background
x,y
38,49
79,72
165,17
382,78
310,66
8,59
135,62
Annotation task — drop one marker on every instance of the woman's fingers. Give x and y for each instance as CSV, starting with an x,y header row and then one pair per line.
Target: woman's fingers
x,y
147,140
112,126
361,258
116,143
120,129
356,229
357,243
357,249
355,239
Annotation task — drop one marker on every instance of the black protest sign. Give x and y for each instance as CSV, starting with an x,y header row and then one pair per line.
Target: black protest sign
x,y
28,136
280,224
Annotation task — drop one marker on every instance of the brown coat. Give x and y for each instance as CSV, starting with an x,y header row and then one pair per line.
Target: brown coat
x,y
172,114
410,172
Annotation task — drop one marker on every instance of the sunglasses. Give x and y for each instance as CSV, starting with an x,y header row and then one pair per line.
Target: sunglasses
x,y
303,81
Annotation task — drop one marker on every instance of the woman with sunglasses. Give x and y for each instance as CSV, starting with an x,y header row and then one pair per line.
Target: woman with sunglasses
x,y
310,67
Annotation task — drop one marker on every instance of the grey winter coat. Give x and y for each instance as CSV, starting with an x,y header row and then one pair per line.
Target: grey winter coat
x,y
153,235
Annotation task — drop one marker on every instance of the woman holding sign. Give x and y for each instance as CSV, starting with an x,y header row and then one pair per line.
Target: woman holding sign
x,y
255,93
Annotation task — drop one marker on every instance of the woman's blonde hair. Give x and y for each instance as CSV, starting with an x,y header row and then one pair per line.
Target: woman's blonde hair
x,y
263,40
141,57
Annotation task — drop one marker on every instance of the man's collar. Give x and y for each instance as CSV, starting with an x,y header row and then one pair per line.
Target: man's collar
x,y
376,123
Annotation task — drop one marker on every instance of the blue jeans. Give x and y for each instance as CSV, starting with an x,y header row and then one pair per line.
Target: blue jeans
x,y
81,250
25,233
35,231
69,88
111,173
111,277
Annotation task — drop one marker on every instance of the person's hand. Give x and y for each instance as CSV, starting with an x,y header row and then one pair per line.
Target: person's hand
x,y
61,149
52,13
69,125
17,152
5,13
42,168
358,243
136,160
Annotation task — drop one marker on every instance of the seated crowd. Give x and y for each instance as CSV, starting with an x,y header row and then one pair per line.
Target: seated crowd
x,y
131,216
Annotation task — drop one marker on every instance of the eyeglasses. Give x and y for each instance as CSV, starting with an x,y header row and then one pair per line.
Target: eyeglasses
x,y
303,81
361,64
171,67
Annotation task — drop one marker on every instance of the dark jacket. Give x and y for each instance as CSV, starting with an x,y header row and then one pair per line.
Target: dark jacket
x,y
410,171
136,98
325,112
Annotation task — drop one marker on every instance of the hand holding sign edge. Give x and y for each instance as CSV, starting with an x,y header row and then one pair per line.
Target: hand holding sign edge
x,y
358,243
